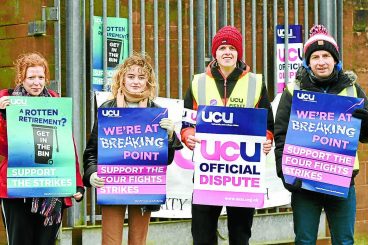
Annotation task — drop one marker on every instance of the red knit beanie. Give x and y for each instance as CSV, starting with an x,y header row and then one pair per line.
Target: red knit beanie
x,y
320,39
228,35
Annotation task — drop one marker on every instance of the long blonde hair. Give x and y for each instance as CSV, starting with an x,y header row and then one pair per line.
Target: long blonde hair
x,y
24,61
142,60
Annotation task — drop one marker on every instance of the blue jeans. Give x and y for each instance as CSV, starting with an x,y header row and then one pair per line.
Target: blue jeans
x,y
340,212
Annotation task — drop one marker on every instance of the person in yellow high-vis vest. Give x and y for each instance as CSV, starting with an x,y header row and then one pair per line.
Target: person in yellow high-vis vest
x,y
321,72
226,82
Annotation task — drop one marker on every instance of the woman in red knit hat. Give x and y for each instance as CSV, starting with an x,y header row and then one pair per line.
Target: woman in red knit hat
x,y
226,80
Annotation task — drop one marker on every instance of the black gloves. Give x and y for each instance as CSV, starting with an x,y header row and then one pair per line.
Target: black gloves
x,y
296,186
361,114
81,190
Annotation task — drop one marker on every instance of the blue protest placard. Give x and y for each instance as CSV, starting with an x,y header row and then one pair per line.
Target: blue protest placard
x,y
321,142
132,156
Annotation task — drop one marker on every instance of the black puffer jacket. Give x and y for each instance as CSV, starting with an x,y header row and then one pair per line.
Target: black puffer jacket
x,y
90,153
345,79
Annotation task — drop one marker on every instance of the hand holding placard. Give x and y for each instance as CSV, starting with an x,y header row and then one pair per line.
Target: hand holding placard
x,y
96,181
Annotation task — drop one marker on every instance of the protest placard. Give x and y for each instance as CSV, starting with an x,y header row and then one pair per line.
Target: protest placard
x,y
132,155
321,142
41,150
116,49
229,161
295,53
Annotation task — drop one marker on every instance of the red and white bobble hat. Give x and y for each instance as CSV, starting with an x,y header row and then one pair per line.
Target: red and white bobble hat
x,y
320,39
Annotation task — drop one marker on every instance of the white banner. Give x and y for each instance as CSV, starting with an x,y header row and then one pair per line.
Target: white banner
x,y
180,172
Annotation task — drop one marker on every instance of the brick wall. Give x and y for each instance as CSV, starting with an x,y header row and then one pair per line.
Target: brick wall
x,y
355,59
14,40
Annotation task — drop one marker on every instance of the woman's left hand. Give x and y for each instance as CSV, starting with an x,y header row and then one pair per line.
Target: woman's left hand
x,y
169,125
78,196
267,146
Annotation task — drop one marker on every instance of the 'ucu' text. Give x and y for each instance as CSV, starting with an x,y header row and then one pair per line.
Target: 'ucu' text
x,y
236,100
306,97
281,33
111,113
221,150
18,101
217,117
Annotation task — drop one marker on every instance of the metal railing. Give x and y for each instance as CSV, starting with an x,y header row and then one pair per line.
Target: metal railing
x,y
195,24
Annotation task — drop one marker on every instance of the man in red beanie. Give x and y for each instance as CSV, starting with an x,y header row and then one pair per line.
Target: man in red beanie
x,y
226,82
321,72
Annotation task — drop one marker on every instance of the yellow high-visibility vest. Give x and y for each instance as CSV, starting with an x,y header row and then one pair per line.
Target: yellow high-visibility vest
x,y
246,93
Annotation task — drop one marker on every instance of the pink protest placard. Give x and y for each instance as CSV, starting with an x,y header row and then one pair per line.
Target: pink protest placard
x,y
229,162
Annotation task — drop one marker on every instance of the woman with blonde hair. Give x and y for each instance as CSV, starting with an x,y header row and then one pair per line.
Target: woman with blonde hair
x,y
133,85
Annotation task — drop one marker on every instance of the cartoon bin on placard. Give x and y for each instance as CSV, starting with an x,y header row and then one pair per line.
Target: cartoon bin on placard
x,y
114,48
43,136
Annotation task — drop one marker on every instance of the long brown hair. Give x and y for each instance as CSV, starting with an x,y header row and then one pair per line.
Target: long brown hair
x,y
142,60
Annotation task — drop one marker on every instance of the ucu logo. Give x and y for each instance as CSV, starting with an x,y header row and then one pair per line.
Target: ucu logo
x,y
18,101
217,117
306,97
111,113
231,151
236,100
281,33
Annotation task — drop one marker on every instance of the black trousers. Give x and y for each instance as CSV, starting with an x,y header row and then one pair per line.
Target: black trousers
x,y
24,227
204,224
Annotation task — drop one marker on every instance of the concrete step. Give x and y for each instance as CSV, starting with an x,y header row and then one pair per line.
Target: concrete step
x,y
267,229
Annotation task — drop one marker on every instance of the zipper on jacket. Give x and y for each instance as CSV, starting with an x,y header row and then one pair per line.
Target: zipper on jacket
x,y
225,91
225,87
